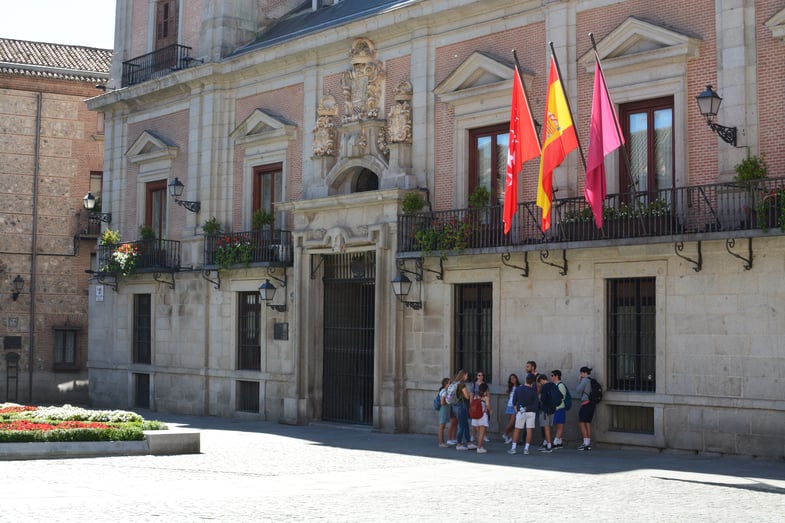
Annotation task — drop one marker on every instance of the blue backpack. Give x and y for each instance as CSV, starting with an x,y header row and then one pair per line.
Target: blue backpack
x,y
437,401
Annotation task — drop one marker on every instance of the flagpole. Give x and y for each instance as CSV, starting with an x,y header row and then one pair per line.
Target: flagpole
x,y
569,108
526,95
625,153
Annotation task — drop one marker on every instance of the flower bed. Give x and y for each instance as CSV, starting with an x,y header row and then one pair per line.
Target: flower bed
x,y
25,423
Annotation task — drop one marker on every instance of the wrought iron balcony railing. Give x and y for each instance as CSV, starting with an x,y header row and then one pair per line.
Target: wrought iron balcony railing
x,y
156,64
236,249
697,211
139,256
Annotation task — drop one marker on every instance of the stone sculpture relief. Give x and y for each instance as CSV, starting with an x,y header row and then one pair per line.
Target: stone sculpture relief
x,y
399,119
324,135
362,85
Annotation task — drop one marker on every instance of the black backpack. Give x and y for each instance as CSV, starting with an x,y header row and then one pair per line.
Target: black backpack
x,y
595,396
550,398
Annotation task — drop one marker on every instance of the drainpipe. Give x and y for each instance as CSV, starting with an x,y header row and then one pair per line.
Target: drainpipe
x,y
34,242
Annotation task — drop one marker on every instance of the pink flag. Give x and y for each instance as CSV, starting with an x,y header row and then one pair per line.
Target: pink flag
x,y
523,146
604,138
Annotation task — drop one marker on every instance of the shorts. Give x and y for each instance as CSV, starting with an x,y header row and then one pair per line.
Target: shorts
x,y
560,417
482,422
444,414
525,420
586,414
546,420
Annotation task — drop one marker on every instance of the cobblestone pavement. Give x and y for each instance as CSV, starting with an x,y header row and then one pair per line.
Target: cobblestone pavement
x,y
261,471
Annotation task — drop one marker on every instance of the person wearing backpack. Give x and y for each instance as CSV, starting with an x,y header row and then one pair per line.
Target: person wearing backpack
x,y
444,411
481,423
560,417
550,399
461,405
586,412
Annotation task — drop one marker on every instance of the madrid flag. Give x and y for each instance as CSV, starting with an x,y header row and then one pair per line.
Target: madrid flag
x,y
560,140
604,138
523,146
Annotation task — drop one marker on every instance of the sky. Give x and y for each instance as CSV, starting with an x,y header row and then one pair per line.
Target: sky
x,y
75,22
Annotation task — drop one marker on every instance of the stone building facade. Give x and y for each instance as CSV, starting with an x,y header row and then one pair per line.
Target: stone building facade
x,y
326,117
51,155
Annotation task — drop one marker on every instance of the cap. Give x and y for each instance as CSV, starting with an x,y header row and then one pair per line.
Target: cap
x,y
587,370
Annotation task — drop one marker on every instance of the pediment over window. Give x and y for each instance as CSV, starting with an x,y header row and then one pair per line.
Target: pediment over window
x,y
263,126
776,25
639,44
150,147
479,75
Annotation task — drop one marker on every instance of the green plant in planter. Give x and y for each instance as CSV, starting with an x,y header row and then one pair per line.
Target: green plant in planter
x,y
262,218
412,203
211,226
578,216
770,210
479,198
109,237
146,232
443,237
658,207
233,249
751,169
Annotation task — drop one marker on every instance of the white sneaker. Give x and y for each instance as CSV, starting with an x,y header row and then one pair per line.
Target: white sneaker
x,y
512,451
471,446
486,439
507,439
451,442
443,445
481,450
526,451
460,447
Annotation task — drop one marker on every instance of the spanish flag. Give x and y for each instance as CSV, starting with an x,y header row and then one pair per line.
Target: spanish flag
x,y
560,139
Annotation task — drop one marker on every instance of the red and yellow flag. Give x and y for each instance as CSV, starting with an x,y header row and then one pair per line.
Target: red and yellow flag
x,y
523,146
559,140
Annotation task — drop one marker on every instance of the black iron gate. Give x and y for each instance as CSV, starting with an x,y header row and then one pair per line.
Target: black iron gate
x,y
349,337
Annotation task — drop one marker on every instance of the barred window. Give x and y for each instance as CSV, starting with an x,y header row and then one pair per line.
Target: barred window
x,y
631,328
474,328
142,349
249,352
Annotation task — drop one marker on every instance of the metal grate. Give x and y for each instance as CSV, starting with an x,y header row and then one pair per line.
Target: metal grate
x,y
631,334
249,352
248,396
626,418
349,332
142,352
141,391
474,328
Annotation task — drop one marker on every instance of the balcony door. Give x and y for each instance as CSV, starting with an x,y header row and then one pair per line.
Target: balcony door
x,y
267,182
166,21
155,207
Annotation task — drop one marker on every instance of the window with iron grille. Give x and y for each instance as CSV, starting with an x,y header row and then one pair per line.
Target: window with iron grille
x,y
474,328
141,390
142,349
249,317
631,334
65,349
248,396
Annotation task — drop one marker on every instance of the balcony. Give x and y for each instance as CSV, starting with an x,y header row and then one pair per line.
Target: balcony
x,y
143,256
156,64
270,247
714,211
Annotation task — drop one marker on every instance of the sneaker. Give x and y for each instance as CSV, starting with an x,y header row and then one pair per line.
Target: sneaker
x,y
526,451
481,450
443,445
451,442
460,447
543,446
558,446
512,451
584,447
507,439
471,446
546,449
486,439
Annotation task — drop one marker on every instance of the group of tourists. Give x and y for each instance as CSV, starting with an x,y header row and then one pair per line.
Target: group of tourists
x,y
539,402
